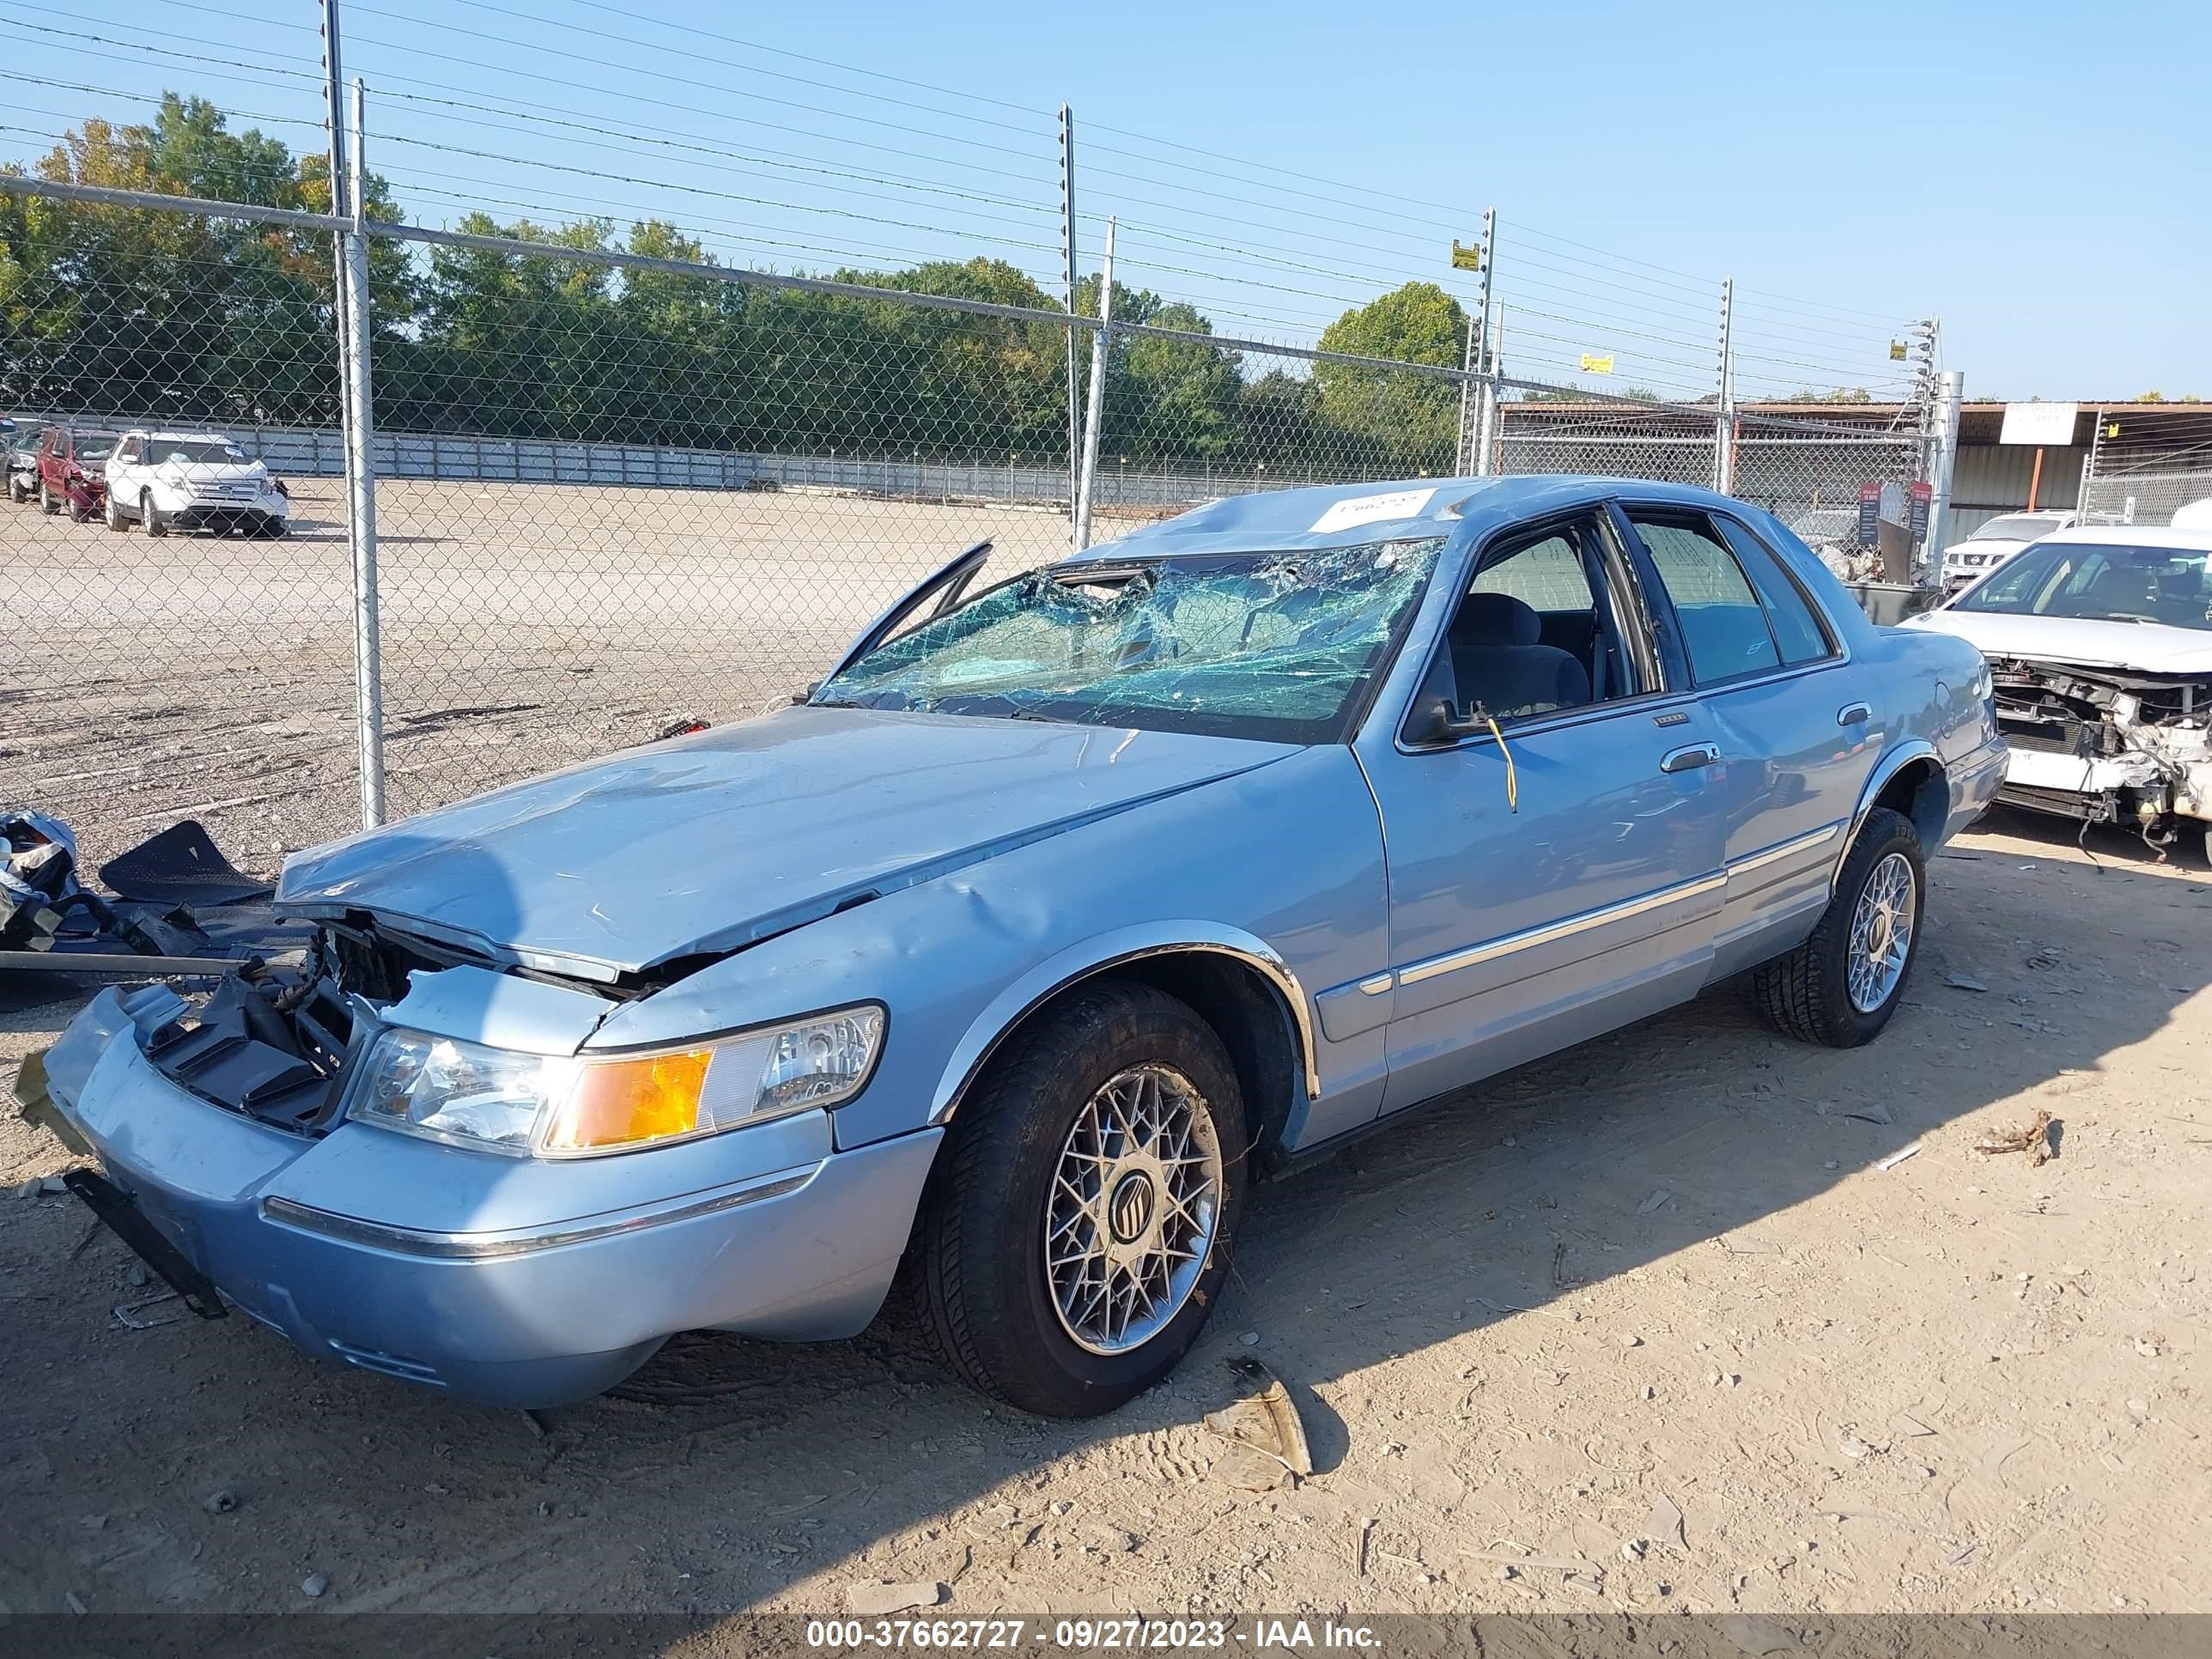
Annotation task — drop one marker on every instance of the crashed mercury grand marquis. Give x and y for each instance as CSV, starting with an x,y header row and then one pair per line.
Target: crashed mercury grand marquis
x,y
2100,644
1058,909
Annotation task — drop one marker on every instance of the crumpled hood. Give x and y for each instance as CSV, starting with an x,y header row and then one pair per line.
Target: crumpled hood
x,y
2143,647
706,843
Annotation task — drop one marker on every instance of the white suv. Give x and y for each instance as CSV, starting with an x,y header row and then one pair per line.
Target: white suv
x,y
192,481
1998,540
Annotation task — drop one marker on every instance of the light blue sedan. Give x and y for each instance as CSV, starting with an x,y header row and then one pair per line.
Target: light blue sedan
x,y
1060,908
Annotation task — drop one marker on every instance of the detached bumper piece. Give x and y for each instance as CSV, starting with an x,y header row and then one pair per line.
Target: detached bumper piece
x,y
173,905
113,1205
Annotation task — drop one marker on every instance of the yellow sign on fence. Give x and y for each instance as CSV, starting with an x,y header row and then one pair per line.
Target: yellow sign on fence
x,y
1465,258
1595,365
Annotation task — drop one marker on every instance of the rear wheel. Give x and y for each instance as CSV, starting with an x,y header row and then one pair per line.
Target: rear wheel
x,y
150,515
1841,986
1081,1227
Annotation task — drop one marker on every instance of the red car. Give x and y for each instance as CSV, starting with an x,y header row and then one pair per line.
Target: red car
x,y
73,470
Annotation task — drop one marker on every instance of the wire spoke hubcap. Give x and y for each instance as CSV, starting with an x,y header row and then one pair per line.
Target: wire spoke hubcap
x,y
1135,1205
1882,933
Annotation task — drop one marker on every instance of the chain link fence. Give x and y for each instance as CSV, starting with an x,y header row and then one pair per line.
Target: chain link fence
x,y
617,494
2145,472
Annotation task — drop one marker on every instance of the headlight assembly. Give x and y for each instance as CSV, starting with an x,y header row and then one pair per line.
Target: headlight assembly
x,y
497,1100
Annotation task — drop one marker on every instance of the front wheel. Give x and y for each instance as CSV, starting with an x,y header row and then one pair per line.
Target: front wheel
x,y
150,515
1077,1236
112,514
18,490
47,504
1841,986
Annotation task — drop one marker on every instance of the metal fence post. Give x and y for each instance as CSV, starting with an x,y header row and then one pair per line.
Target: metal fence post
x,y
1462,461
1067,265
1948,391
334,115
1487,429
360,493
2089,464
1724,417
1102,343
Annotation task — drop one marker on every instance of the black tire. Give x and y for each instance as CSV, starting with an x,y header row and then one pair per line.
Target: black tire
x,y
18,490
150,515
47,504
1806,992
983,1284
112,514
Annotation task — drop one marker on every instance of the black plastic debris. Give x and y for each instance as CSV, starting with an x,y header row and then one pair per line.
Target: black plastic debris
x,y
173,905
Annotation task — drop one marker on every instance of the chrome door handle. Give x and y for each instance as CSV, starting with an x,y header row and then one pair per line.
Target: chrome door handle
x,y
1689,757
1854,714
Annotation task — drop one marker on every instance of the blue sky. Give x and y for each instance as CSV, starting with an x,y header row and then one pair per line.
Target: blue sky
x,y
2034,174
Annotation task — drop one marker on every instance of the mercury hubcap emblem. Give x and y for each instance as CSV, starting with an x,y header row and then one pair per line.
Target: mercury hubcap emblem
x,y
1132,1210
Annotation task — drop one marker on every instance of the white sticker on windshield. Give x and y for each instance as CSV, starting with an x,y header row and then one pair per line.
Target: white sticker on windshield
x,y
1370,509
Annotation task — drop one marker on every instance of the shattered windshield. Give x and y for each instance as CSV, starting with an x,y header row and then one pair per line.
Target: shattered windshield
x,y
1279,645
2101,581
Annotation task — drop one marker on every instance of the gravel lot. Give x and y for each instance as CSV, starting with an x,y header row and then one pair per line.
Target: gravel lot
x,y
1665,1269
525,626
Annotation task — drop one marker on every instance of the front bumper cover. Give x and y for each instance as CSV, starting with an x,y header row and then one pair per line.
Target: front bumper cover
x,y
511,1282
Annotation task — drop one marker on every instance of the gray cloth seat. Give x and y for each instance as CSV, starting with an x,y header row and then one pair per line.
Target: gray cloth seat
x,y
2118,588
1498,659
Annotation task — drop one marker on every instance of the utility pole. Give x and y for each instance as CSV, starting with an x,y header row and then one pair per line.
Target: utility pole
x,y
1102,344
1067,265
1489,429
361,488
1725,418
1949,391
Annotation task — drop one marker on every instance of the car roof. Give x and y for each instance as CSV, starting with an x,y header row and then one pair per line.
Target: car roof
x,y
2133,535
191,437
1350,515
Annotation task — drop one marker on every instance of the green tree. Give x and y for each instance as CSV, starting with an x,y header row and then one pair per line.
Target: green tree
x,y
1172,400
1413,417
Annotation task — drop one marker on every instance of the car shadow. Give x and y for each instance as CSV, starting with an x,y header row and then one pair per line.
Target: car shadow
x,y
1700,1128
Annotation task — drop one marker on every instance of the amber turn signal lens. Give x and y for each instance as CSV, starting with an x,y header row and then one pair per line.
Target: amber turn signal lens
x,y
621,1102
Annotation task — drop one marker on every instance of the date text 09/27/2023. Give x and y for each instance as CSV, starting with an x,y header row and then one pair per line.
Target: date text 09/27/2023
x,y
1088,1635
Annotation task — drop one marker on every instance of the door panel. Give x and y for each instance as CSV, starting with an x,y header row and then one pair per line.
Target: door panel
x,y
1794,728
1788,783
1516,932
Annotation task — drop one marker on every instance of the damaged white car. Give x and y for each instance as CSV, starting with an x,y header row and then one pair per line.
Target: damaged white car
x,y
2099,645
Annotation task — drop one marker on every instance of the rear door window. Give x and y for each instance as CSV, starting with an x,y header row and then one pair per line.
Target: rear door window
x,y
1796,627
1723,625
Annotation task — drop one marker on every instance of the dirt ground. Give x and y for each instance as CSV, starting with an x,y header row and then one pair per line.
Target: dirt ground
x,y
1665,1274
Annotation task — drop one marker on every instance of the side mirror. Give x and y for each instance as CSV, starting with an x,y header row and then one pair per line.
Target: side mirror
x,y
1439,724
805,694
